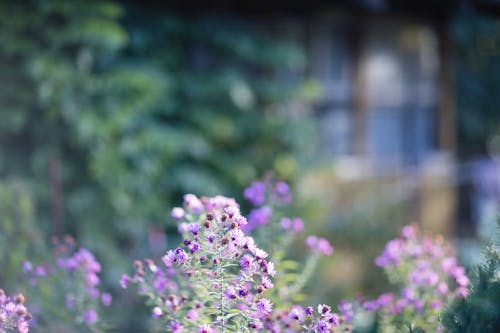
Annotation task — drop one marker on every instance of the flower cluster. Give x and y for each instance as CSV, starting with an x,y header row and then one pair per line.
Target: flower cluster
x,y
219,280
295,224
428,272
77,274
216,279
265,190
322,320
299,319
265,195
14,317
289,317
276,233
319,245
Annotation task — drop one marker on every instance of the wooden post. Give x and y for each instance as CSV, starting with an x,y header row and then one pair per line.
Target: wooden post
x,y
446,134
359,92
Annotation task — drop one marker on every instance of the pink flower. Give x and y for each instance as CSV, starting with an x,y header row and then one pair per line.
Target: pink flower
x,y
263,308
90,316
177,213
106,299
157,312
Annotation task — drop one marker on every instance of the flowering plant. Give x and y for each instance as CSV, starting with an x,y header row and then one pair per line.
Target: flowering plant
x,y
218,279
14,316
429,276
71,278
276,232
221,277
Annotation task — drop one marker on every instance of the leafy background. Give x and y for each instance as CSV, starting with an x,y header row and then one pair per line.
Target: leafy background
x,y
110,111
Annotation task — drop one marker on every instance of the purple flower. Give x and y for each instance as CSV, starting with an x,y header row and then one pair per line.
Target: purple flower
x,y
160,283
192,314
246,261
457,272
286,223
385,300
419,305
448,264
169,258
324,247
322,326
90,316
205,328
255,193
408,293
180,256
391,254
27,266
258,216
334,319
13,313
182,227
177,213
193,228
282,192
259,253
323,309
23,326
106,299
297,225
462,292
408,231
177,256
345,309
425,266
243,292
371,305
232,211
311,242
266,282
194,247
40,271
296,313
270,269
442,288
238,237
192,203
230,293
263,308
436,305
125,279
176,327
463,281
157,312
92,279
400,305
319,245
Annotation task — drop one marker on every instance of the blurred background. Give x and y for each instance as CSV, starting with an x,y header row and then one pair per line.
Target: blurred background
x,y
378,112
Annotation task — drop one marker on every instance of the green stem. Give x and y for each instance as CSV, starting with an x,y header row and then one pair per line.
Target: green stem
x,y
307,272
222,299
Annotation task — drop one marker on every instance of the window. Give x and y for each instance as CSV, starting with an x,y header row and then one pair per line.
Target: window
x,y
396,89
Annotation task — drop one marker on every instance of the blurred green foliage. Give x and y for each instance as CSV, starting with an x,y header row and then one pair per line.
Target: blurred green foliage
x,y
110,112
480,311
122,129
476,51
20,237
